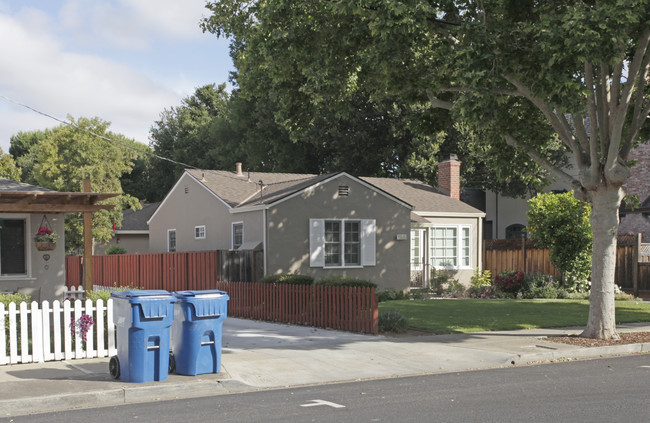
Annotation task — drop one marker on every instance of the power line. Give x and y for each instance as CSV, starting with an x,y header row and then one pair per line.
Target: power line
x,y
94,134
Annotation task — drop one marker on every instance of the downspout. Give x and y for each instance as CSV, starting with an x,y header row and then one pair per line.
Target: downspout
x,y
479,244
264,240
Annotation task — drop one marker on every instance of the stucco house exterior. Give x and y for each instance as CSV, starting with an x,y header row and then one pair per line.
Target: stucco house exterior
x,y
133,235
24,268
320,225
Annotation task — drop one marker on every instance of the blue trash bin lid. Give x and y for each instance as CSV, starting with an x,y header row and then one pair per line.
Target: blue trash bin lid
x,y
140,293
208,303
210,293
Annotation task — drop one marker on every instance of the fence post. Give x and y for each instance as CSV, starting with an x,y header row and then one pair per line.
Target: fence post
x,y
635,266
523,252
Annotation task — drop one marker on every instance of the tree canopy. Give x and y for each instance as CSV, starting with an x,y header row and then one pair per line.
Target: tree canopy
x,y
543,83
62,157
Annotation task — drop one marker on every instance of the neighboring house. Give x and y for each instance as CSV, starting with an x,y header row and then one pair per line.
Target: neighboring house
x,y
133,236
321,224
506,216
24,268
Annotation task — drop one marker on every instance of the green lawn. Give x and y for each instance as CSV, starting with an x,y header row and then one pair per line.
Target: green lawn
x,y
471,315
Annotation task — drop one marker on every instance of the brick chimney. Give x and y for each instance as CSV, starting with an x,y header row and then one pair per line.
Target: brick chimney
x,y
238,169
449,177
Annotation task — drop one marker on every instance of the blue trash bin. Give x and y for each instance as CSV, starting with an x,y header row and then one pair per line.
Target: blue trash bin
x,y
197,330
143,319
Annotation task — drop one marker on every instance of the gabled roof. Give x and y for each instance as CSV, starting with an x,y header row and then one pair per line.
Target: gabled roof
x,y
423,197
136,220
244,191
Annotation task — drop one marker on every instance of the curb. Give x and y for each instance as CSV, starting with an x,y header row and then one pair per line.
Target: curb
x,y
578,353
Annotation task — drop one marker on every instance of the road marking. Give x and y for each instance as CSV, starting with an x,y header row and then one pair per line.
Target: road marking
x,y
314,403
645,367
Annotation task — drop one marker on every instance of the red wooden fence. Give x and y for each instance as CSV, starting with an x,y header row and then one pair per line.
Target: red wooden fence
x,y
337,307
194,270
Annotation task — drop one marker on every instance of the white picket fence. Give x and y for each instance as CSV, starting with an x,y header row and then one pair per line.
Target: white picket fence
x,y
32,334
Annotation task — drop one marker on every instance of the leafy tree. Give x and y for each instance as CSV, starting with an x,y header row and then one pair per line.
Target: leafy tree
x,y
182,134
560,222
547,81
8,168
62,157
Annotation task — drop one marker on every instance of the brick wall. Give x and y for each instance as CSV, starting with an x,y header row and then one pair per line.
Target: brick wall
x,y
449,178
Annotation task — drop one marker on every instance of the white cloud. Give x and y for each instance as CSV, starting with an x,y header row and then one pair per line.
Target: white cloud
x,y
34,70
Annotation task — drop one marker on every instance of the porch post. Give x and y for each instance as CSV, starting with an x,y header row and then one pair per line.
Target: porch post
x,y
88,244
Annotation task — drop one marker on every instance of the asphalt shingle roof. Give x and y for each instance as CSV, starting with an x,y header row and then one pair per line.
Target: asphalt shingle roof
x,y
7,185
242,191
136,220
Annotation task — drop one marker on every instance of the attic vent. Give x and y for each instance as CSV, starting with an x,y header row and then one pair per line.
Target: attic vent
x,y
344,190
187,189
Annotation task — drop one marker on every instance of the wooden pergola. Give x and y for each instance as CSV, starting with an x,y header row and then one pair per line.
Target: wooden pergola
x,y
61,202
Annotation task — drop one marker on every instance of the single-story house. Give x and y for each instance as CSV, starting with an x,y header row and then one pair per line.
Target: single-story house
x,y
133,235
27,266
319,225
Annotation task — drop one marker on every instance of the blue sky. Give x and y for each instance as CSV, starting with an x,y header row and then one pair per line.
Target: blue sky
x,y
124,61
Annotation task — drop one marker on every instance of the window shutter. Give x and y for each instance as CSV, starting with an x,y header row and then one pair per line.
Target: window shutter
x,y
316,242
368,248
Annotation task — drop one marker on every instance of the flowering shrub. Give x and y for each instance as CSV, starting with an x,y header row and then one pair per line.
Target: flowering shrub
x,y
45,235
82,325
454,289
538,285
485,292
509,281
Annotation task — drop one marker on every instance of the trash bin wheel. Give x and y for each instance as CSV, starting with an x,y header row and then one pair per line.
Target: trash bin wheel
x,y
114,367
172,363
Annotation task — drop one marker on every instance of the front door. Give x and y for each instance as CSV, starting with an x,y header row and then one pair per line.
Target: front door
x,y
418,262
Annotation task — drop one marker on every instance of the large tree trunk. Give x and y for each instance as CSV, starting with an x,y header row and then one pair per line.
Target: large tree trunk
x,y
604,225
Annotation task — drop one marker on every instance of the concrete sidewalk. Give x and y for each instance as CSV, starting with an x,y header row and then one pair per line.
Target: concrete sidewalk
x,y
259,355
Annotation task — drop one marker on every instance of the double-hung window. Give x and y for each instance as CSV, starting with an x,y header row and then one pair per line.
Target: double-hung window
x,y
450,246
237,235
171,240
342,242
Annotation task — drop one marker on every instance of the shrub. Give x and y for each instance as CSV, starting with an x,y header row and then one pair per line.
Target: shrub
x,y
338,280
441,279
454,289
391,294
538,285
392,321
14,298
488,292
114,249
481,278
509,282
105,294
288,279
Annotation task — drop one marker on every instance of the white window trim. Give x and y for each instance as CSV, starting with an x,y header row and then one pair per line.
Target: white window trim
x,y
459,247
175,240
367,255
204,232
232,234
28,248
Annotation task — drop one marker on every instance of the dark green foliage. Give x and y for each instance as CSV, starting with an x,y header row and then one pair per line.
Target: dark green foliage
x,y
114,249
338,280
538,285
392,321
391,294
288,279
454,289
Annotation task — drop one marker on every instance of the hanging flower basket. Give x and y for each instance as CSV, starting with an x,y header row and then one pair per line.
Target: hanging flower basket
x,y
45,238
44,246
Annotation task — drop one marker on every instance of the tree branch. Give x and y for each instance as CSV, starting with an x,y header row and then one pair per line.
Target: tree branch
x,y
558,174
593,120
634,74
562,130
437,103
640,113
603,116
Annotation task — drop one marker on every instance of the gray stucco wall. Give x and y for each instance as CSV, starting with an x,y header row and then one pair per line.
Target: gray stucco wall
x,y
288,232
132,243
45,278
190,204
